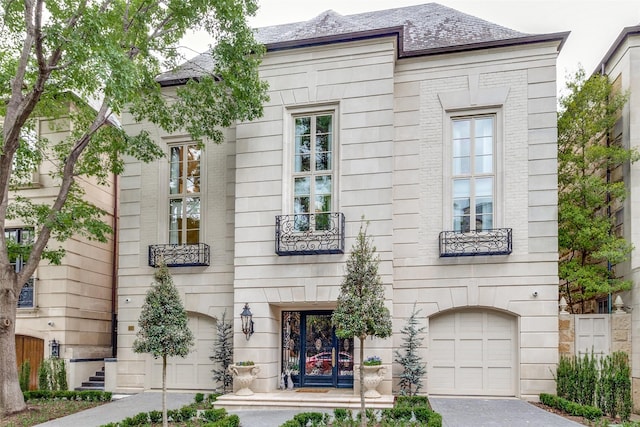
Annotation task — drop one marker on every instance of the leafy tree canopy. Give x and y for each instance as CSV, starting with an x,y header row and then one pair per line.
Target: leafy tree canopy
x,y
80,64
163,329
588,154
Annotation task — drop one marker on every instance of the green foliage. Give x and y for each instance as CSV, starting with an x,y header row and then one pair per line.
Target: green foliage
x,y
614,386
372,361
43,377
605,382
572,408
214,414
360,310
342,414
86,395
245,363
413,367
52,374
163,329
84,63
199,397
587,152
25,374
155,416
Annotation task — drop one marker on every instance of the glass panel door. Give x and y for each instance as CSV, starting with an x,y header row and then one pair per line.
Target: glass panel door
x,y
313,354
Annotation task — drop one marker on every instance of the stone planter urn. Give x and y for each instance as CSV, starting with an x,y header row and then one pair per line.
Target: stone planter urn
x,y
372,377
243,375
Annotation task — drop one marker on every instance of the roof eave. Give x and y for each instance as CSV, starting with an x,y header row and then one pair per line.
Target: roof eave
x,y
537,38
336,38
626,32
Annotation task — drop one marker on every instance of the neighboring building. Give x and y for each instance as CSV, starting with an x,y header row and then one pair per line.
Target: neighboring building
x,y
70,304
622,64
437,128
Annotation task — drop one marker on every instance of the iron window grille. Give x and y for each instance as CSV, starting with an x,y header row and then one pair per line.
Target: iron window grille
x,y
496,241
187,255
310,234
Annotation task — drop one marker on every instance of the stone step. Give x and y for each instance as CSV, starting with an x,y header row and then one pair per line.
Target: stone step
x,y
301,399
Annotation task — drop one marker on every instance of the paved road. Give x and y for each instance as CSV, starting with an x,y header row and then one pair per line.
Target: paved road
x,y
456,412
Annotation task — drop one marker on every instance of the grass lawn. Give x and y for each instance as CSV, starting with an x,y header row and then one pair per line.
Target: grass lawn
x,y
40,411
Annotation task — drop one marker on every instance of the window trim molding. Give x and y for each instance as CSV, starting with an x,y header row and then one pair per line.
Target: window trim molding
x,y
447,167
289,115
163,180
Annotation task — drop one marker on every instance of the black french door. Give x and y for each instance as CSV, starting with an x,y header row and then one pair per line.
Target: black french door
x,y
312,353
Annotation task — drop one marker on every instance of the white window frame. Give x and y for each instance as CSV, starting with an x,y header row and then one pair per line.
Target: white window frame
x,y
289,174
164,202
498,199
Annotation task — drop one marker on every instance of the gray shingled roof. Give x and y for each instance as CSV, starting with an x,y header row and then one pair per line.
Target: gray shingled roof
x,y
427,26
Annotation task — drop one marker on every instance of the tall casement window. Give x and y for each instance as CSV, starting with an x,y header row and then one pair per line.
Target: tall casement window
x,y
184,194
313,166
473,148
17,237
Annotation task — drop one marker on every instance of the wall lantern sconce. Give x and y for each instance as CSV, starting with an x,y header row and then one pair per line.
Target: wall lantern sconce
x,y
247,321
54,348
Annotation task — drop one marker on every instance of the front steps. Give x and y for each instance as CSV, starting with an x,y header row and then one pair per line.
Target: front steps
x,y
95,382
302,398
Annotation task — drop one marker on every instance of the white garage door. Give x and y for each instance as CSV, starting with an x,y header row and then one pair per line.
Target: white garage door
x,y
194,371
473,353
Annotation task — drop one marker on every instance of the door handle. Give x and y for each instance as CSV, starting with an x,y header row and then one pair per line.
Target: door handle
x,y
333,357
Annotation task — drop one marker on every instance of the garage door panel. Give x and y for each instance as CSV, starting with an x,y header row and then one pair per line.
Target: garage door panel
x,y
478,358
468,350
469,378
444,350
192,372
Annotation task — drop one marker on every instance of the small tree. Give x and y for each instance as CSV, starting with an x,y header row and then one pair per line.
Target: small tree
x,y
163,330
223,353
411,362
360,310
588,197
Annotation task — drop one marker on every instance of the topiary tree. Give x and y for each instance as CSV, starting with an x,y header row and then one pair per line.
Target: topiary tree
x,y
163,326
360,311
411,362
223,353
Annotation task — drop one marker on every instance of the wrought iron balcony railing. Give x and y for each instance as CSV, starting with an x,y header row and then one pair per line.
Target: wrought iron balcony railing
x,y
496,241
310,234
179,255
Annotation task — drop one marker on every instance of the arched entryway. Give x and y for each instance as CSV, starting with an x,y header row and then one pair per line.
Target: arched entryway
x,y
473,352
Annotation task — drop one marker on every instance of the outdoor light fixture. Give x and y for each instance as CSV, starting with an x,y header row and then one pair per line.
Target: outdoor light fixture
x,y
54,347
247,321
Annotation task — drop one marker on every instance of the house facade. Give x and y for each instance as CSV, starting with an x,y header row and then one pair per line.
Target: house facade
x,y
435,129
622,64
66,310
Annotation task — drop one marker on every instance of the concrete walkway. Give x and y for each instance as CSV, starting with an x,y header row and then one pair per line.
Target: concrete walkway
x,y
456,412
130,405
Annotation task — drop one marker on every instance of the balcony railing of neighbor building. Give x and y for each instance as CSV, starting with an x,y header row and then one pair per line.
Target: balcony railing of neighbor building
x,y
310,234
496,241
180,255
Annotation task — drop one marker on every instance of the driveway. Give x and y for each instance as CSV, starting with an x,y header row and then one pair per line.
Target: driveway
x,y
483,412
456,412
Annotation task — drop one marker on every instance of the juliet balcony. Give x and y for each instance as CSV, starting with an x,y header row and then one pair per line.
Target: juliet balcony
x,y
189,255
496,241
310,234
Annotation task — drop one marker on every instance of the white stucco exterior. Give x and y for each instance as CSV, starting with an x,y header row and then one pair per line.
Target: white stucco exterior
x,y
392,167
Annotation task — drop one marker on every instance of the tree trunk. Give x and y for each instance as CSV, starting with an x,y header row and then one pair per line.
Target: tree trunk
x,y
165,423
363,414
11,398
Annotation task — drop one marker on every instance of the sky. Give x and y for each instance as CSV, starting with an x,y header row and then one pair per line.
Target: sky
x,y
594,25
